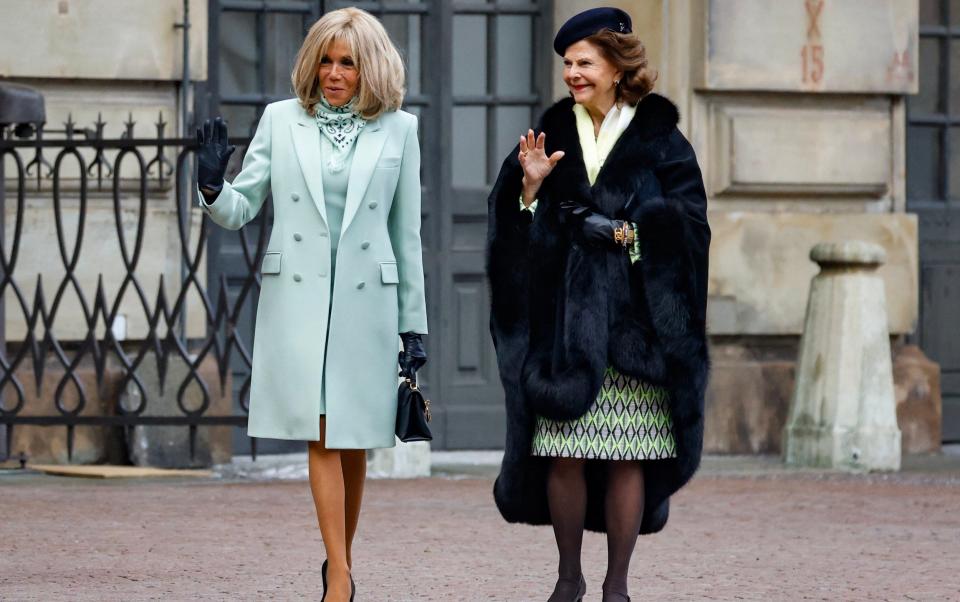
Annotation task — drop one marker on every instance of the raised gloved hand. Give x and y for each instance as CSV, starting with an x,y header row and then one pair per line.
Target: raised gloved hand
x,y
213,154
413,357
595,228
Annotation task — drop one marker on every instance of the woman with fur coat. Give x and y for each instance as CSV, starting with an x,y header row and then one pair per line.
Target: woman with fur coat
x,y
597,262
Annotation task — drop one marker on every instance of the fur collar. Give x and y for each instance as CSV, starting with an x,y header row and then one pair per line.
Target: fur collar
x,y
655,117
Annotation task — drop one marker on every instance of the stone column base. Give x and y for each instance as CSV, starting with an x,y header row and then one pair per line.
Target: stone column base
x,y
405,461
169,446
826,447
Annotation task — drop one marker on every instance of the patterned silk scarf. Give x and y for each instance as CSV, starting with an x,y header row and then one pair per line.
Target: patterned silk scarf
x,y
341,126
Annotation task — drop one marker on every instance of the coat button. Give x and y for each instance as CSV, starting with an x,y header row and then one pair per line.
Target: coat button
x,y
372,205
361,285
294,197
365,245
296,277
297,237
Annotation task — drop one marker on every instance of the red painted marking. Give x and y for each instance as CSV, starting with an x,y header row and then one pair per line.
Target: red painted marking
x,y
812,55
814,10
900,69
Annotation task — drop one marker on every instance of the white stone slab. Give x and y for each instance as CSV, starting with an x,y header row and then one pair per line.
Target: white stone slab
x,y
810,45
760,270
405,461
100,39
784,148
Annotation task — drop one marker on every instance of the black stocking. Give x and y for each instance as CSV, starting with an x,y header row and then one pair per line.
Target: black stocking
x,y
567,498
624,511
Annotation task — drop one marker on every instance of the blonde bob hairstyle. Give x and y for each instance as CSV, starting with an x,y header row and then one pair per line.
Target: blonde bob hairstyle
x,y
380,68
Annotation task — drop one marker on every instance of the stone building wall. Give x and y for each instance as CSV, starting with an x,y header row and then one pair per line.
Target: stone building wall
x,y
795,108
116,60
796,111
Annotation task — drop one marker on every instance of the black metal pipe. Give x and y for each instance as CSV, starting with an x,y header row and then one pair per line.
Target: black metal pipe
x,y
3,275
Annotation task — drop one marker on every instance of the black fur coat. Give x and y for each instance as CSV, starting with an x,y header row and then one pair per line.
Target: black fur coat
x,y
562,312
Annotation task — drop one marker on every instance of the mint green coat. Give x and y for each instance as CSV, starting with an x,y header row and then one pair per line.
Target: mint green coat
x,y
378,290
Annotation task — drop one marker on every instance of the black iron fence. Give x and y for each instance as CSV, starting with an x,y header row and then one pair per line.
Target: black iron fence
x,y
88,304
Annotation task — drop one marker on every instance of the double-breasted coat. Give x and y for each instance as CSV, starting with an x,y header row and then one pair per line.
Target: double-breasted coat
x,y
378,290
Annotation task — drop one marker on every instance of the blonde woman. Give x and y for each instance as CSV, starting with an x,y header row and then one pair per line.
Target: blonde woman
x,y
343,272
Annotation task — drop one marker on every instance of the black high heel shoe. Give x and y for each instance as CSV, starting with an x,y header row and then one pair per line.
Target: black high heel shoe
x,y
323,575
578,597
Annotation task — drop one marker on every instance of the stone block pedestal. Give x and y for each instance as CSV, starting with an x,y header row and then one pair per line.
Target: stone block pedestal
x,y
751,383
843,413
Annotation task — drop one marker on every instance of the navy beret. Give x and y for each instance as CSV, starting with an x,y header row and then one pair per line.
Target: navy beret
x,y
589,22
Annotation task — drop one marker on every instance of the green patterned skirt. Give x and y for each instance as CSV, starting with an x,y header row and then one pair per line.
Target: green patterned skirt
x,y
629,420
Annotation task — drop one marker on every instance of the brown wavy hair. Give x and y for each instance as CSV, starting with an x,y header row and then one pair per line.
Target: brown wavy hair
x,y
626,53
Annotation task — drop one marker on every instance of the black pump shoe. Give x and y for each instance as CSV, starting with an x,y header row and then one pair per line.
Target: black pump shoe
x,y
323,575
578,597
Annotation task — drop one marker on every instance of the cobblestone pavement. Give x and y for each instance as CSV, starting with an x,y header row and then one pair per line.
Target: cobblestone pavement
x,y
761,535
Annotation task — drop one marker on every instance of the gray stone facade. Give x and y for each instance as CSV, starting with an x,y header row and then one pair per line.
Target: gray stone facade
x,y
796,110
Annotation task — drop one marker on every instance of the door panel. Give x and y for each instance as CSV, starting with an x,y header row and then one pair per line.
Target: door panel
x,y
477,75
499,71
933,193
940,330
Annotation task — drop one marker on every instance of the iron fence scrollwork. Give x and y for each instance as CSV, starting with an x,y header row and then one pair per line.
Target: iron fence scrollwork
x,y
55,177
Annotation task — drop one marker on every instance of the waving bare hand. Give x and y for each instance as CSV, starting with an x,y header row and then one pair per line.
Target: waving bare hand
x,y
535,163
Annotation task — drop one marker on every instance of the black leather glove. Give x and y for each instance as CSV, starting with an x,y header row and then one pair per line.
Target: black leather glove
x,y
594,228
413,357
213,154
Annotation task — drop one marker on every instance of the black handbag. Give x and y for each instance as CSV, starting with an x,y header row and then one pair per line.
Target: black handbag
x,y
413,413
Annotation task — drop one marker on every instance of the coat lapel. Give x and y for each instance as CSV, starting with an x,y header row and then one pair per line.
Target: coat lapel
x,y
369,145
306,143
